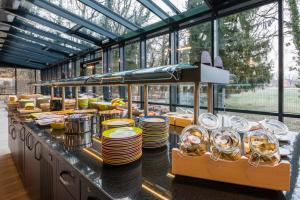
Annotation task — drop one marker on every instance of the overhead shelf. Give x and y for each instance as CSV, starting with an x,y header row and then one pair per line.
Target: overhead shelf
x,y
170,74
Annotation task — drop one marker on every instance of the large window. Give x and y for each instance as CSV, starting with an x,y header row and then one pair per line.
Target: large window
x,y
7,81
186,95
248,46
159,94
114,60
291,57
158,51
192,41
132,56
24,77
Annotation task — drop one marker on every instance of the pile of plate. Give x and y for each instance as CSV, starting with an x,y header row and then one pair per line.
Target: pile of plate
x,y
155,131
121,145
117,123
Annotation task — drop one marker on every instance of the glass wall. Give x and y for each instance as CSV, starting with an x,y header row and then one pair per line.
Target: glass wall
x,y
24,77
291,58
159,93
7,81
158,51
132,56
248,47
114,60
192,41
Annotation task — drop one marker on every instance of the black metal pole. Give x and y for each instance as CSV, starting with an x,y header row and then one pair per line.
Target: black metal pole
x,y
212,35
173,44
106,92
122,89
16,81
35,88
280,62
143,63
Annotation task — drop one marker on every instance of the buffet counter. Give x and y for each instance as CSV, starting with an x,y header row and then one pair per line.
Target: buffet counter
x,y
78,172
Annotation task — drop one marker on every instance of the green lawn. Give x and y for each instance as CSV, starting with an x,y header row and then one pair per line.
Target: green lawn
x,y
265,100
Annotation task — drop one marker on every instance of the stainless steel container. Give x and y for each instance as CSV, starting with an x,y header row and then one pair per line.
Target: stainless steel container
x,y
73,142
78,124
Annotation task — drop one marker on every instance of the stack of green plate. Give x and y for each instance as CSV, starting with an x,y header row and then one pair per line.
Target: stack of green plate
x,y
117,123
155,131
121,146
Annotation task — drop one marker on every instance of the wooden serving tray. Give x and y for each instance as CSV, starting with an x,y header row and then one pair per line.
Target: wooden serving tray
x,y
236,172
85,111
23,111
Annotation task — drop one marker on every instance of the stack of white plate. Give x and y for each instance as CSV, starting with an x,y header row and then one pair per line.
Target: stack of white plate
x,y
117,123
155,131
121,145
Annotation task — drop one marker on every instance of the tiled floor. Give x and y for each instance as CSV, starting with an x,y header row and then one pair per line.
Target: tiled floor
x,y
11,186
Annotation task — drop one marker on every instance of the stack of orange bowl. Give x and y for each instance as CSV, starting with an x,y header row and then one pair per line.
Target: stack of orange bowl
x,y
121,146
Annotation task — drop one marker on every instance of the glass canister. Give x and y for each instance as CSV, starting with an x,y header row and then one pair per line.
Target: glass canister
x,y
274,126
240,124
194,140
225,145
209,121
262,148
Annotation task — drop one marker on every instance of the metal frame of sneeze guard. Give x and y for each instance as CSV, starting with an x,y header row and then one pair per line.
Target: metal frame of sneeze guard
x,y
170,74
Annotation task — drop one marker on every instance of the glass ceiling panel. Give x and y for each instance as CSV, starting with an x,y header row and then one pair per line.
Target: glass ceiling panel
x,y
59,34
46,14
92,15
91,33
164,6
47,39
33,42
184,5
131,10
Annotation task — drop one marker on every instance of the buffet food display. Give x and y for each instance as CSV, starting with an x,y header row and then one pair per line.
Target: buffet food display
x,y
250,149
207,147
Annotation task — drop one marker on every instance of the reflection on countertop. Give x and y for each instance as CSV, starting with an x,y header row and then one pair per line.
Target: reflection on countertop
x,y
150,177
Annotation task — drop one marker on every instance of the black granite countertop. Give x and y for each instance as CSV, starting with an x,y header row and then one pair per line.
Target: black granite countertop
x,y
150,178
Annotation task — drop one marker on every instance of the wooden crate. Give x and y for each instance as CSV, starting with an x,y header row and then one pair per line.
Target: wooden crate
x,y
237,172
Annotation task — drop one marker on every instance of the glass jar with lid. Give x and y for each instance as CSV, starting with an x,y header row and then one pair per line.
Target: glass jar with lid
x,y
225,145
209,121
274,126
239,124
193,140
262,148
